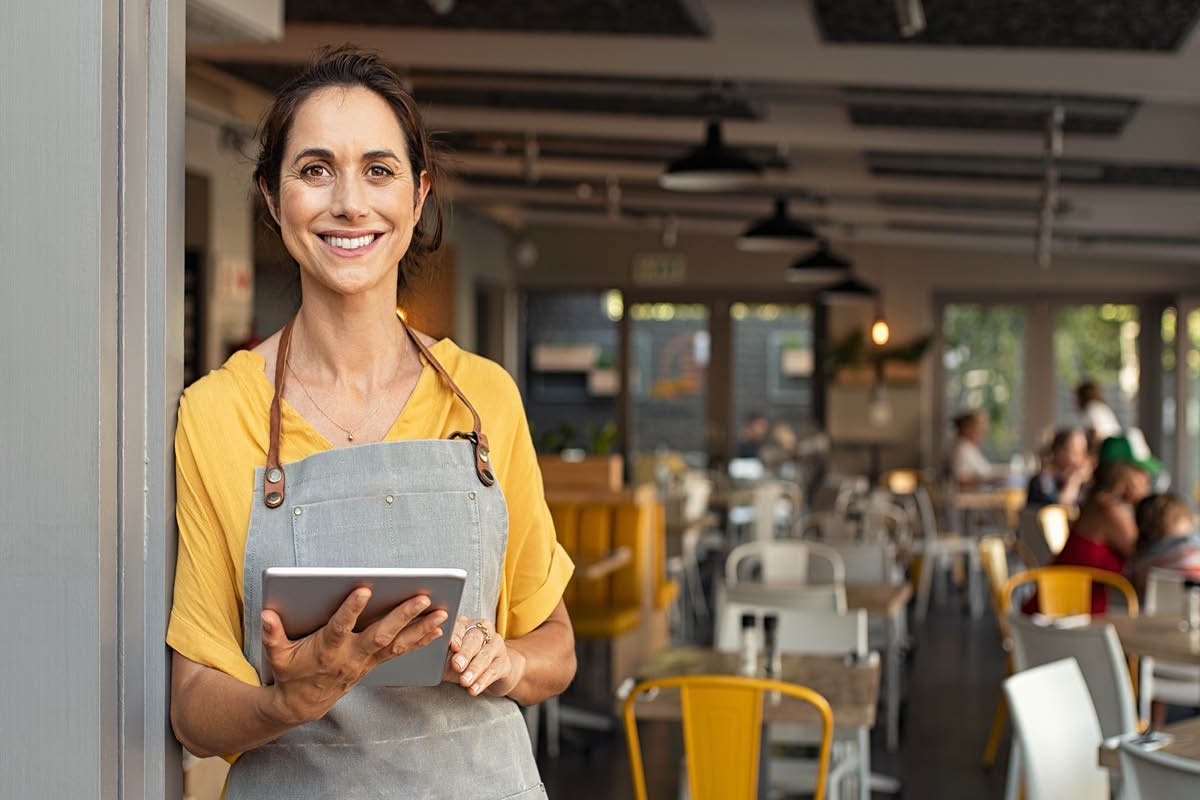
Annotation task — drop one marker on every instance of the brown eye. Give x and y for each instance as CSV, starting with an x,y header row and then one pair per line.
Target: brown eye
x,y
315,171
379,171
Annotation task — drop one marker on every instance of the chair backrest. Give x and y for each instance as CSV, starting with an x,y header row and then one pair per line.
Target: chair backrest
x,y
1164,591
863,562
1029,533
1067,590
1055,523
925,513
993,555
1150,775
1097,651
1058,733
786,561
722,733
813,631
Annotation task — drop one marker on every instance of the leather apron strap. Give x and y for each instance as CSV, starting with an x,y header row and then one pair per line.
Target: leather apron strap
x,y
273,476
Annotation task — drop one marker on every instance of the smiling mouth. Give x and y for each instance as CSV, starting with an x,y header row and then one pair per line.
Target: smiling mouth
x,y
350,242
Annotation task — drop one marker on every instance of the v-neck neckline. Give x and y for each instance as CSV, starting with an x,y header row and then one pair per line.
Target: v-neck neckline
x,y
394,431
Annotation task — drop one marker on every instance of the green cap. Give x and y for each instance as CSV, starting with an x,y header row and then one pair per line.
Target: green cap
x,y
1130,448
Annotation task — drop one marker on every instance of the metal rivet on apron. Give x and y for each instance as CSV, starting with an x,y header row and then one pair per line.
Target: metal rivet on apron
x,y
389,499
274,475
471,495
483,456
274,499
297,511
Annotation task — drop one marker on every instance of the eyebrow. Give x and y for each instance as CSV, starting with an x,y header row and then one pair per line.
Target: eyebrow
x,y
320,152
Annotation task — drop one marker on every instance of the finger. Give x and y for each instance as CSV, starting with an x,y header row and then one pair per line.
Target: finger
x,y
274,640
456,637
482,660
342,623
417,635
483,670
380,634
471,643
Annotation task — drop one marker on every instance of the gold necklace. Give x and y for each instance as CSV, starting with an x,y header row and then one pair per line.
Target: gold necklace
x,y
349,432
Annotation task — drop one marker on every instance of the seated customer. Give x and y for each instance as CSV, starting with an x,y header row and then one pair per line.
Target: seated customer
x,y
1066,470
1167,538
1105,534
967,466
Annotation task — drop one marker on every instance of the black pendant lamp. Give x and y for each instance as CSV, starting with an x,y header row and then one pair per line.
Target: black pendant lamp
x,y
851,291
822,266
777,233
712,167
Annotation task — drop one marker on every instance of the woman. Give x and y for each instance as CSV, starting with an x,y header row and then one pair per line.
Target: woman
x,y
1066,471
349,439
1167,538
1096,417
968,467
1105,534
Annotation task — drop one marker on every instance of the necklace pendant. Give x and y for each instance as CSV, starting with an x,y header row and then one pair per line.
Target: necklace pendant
x,y
349,437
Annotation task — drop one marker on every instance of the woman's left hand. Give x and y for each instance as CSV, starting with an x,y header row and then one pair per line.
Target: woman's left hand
x,y
480,660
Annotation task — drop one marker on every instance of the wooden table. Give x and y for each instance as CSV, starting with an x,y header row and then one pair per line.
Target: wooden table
x,y
1158,636
1185,745
889,602
1009,500
852,690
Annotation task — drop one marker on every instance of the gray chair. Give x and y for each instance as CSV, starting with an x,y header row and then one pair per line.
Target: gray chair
x,y
1151,775
1178,684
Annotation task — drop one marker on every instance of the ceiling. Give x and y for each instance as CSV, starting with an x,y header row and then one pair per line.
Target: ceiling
x,y
564,113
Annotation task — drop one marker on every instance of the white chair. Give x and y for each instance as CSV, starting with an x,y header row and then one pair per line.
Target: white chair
x,y
1057,733
937,548
784,560
1178,684
1151,775
863,562
813,632
1097,651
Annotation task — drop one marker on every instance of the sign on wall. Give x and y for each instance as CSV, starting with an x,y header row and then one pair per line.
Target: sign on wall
x,y
659,269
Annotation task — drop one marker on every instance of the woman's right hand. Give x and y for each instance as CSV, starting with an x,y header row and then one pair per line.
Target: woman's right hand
x,y
313,673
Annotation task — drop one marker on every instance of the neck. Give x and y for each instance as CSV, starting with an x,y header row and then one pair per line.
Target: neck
x,y
354,340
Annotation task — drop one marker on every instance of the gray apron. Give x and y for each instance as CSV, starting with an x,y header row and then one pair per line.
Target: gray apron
x,y
412,504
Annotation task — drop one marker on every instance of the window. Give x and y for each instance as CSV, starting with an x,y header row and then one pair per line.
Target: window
x,y
1096,343
984,360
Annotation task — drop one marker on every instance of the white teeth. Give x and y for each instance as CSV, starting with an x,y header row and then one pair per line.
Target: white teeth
x,y
350,244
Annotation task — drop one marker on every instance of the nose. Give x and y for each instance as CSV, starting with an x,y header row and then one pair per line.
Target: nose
x,y
349,200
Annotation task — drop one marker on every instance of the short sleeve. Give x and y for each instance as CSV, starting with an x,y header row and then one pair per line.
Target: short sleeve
x,y
206,617
537,568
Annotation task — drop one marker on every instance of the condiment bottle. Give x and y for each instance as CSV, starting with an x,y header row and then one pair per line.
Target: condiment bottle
x,y
1191,604
748,646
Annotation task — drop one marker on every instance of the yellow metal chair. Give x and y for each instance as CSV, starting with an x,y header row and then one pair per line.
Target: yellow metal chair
x,y
1055,522
993,555
722,733
1067,590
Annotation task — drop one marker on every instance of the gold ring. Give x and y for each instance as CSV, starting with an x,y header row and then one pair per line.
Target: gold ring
x,y
487,637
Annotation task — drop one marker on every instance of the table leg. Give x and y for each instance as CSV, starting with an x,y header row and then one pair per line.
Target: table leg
x,y
864,764
893,680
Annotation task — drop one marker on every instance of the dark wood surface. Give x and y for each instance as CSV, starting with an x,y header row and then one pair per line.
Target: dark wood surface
x,y
851,690
1158,637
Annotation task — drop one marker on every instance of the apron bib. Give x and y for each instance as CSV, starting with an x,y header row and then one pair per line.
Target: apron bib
x,y
404,504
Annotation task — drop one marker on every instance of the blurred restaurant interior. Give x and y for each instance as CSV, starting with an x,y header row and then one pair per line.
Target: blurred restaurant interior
x,y
804,300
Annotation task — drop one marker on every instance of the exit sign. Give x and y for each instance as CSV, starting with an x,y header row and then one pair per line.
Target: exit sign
x,y
659,269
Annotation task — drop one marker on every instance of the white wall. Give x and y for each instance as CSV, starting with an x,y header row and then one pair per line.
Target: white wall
x,y
231,237
908,277
483,258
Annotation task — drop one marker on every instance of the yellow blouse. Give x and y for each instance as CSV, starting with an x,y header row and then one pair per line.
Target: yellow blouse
x,y
222,437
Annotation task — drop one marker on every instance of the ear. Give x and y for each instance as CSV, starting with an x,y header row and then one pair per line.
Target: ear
x,y
422,193
262,187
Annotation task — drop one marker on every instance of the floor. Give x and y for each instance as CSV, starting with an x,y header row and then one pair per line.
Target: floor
x,y
954,676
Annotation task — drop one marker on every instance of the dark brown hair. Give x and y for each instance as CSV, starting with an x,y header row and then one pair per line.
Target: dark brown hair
x,y
348,66
1086,392
1158,515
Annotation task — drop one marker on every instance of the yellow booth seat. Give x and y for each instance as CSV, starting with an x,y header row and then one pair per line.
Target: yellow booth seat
x,y
619,595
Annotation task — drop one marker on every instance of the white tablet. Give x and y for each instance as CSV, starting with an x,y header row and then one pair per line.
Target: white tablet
x,y
306,597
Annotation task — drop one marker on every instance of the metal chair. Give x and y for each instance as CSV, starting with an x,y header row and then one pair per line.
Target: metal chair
x,y
1067,590
784,561
1178,684
1149,775
1057,733
722,733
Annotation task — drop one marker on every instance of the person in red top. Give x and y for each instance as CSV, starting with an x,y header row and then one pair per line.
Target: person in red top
x,y
1105,534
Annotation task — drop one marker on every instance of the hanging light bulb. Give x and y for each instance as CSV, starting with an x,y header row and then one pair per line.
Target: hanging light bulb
x,y
880,333
711,167
777,233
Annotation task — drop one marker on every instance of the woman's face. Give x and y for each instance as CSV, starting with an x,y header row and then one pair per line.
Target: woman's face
x,y
348,201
